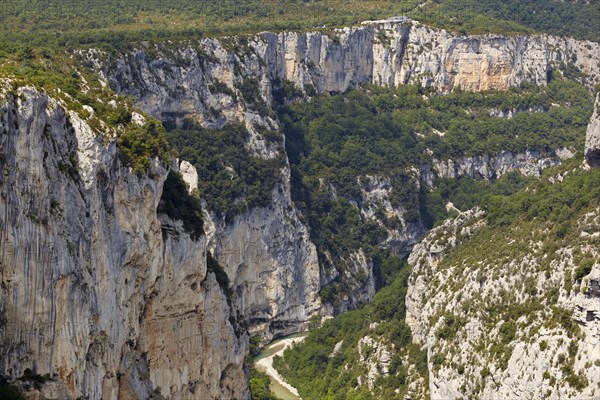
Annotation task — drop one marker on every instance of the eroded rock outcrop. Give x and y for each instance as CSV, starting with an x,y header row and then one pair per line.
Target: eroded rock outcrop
x,y
97,290
212,82
592,143
529,163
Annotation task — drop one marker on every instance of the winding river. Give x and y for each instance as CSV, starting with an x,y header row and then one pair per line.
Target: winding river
x,y
264,362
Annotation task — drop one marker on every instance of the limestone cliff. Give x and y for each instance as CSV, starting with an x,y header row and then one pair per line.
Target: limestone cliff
x,y
190,79
212,82
529,163
99,292
592,143
272,265
115,301
508,312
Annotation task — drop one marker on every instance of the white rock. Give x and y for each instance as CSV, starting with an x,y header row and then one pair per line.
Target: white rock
x,y
592,142
95,289
189,174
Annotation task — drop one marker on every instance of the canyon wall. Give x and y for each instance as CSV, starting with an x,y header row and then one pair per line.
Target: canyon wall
x,y
205,82
113,300
99,292
592,142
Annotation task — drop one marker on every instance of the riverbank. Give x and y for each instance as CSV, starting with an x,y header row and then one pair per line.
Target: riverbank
x,y
264,362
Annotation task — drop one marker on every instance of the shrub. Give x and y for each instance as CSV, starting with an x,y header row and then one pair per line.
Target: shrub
x,y
220,274
179,204
140,143
584,268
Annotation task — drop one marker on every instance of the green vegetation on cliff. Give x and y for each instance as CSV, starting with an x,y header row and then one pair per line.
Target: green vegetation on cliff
x,y
79,90
465,193
177,203
334,358
260,385
138,144
9,390
230,178
339,145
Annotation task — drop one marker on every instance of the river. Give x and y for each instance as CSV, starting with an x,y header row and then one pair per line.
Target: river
x,y
264,363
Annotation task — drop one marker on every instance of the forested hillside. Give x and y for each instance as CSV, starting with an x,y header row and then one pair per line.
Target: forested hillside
x,y
551,226
75,23
339,145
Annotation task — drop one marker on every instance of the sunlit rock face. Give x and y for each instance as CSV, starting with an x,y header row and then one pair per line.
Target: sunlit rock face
x,y
96,289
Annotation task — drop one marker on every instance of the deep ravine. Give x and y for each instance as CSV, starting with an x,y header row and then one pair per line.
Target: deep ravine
x,y
112,296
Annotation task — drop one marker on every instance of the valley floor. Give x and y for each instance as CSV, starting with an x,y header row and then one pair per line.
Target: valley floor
x,y
264,363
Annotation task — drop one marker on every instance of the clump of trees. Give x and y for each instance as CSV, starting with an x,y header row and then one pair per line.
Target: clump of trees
x,y
231,178
138,144
179,204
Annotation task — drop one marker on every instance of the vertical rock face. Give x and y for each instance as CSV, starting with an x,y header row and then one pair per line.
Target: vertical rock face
x,y
96,290
267,253
172,84
592,142
272,265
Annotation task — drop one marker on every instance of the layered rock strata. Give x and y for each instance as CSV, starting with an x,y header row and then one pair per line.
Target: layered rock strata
x,y
99,292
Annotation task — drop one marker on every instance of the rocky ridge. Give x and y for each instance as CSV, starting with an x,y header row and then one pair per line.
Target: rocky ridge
x,y
213,82
529,163
195,79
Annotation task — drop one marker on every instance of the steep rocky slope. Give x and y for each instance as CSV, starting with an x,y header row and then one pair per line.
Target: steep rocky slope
x,y
511,310
214,82
99,292
592,143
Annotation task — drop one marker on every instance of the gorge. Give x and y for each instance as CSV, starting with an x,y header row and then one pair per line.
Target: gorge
x,y
114,296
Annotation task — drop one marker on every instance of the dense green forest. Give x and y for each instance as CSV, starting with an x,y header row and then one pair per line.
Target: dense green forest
x,y
75,23
546,208
580,19
231,178
334,142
